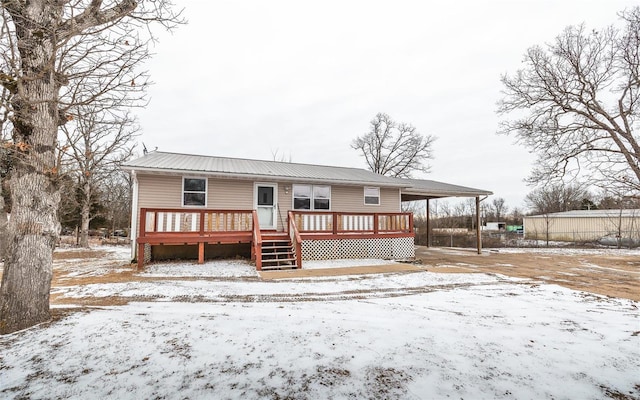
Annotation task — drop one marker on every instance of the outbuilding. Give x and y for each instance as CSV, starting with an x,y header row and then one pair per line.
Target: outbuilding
x,y
615,226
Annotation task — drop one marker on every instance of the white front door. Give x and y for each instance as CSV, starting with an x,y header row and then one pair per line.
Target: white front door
x,y
266,201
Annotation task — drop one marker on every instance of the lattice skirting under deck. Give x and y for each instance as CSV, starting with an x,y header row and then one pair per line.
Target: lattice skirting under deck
x,y
384,248
147,253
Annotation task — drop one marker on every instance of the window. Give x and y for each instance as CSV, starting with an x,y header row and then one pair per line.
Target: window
x,y
372,196
194,192
301,197
309,197
321,197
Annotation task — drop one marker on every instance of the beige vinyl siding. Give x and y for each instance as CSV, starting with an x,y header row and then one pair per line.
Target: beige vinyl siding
x,y
284,204
165,191
159,191
230,194
351,199
579,228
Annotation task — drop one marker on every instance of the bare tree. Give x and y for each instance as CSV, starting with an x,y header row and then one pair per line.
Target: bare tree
x,y
556,198
116,199
96,144
394,149
516,216
280,157
579,99
499,208
55,55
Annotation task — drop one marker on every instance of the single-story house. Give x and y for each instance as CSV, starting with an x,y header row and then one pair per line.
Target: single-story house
x,y
281,213
584,225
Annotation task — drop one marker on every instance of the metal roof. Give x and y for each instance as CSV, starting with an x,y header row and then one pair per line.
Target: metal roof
x,y
590,214
237,168
424,188
243,168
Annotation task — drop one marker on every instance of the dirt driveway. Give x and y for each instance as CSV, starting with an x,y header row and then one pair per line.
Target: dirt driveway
x,y
606,273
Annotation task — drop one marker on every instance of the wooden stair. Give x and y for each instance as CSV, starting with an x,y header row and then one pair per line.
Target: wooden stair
x,y
277,251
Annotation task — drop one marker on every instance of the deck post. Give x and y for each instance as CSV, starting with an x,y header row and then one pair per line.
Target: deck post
x,y
411,222
201,253
140,255
376,224
298,255
478,232
201,227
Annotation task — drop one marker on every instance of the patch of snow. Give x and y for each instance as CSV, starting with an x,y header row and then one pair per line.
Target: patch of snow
x,y
568,251
485,341
217,331
223,290
343,263
218,268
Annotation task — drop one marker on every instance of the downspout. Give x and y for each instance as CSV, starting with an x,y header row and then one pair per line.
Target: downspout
x,y
134,214
478,230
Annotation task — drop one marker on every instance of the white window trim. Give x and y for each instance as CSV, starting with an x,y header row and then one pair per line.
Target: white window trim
x,y
206,192
364,196
311,198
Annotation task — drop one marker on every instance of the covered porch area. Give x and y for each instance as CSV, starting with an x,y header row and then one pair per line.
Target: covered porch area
x,y
427,190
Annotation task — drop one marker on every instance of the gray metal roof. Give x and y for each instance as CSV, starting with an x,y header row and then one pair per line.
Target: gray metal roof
x,y
225,167
591,214
425,188
251,169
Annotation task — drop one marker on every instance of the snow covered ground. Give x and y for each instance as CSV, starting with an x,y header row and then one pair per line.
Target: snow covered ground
x,y
218,331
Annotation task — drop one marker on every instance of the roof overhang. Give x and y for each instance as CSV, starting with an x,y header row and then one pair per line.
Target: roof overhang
x,y
422,189
159,163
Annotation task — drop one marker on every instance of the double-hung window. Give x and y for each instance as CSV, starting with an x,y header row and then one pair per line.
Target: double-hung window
x,y
194,191
372,196
311,197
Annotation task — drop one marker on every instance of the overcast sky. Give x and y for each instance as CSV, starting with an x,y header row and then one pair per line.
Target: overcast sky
x,y
303,79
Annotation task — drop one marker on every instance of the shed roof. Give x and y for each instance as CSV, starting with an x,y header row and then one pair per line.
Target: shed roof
x,y
237,168
590,214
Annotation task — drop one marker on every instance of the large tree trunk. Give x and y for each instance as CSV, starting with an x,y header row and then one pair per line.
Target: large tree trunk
x,y
3,227
33,227
85,215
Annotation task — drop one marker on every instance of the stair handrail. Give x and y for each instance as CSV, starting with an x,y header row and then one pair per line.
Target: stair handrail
x,y
294,234
257,241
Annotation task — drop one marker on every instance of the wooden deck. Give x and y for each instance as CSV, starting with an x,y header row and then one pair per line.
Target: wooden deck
x,y
206,226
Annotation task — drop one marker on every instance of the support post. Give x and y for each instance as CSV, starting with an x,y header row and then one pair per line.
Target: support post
x,y
428,225
140,255
478,232
201,253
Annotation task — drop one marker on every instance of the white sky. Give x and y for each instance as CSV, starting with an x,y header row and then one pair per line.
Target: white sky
x,y
249,78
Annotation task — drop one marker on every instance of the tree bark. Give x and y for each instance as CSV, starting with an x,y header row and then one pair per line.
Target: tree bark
x,y
85,214
33,227
3,228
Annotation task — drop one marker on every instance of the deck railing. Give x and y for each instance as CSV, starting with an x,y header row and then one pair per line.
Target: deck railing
x,y
198,227
351,223
179,221
296,240
256,247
